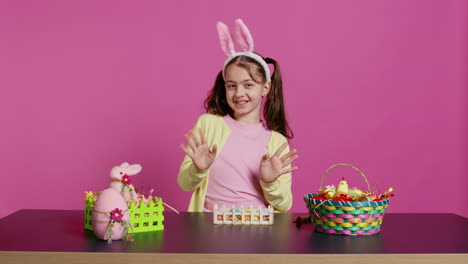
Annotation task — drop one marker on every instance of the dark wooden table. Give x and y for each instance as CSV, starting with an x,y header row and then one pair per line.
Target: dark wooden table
x,y
48,236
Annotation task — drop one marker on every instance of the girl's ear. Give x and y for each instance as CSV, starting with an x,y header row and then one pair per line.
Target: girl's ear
x,y
225,40
243,37
266,88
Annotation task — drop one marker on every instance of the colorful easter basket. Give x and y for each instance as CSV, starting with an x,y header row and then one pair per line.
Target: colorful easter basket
x,y
346,218
143,218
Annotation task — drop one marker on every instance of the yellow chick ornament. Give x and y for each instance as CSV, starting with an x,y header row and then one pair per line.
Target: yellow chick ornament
x,y
342,187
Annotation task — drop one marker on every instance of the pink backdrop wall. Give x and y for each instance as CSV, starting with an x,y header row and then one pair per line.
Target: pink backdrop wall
x,y
86,85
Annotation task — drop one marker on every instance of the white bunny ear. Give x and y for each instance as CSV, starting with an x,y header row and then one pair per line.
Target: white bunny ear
x,y
133,169
225,40
243,37
125,165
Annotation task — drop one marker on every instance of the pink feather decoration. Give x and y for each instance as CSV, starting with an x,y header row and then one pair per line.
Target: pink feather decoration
x,y
243,37
225,40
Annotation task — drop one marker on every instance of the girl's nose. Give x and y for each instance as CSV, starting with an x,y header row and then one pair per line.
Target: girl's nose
x,y
240,91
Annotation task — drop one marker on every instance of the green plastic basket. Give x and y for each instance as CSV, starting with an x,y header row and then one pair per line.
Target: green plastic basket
x,y
346,218
142,218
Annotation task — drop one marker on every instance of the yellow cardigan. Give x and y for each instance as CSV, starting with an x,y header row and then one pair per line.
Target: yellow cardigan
x,y
277,193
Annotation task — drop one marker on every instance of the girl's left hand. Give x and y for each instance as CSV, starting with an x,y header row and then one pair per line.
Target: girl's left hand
x,y
273,167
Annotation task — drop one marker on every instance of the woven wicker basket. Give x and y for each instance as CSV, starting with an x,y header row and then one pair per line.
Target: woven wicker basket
x,y
346,218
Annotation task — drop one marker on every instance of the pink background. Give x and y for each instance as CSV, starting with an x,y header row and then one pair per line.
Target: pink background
x,y
86,85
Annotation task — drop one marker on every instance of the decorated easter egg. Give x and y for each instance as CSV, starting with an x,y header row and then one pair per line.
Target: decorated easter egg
x,y
110,215
342,197
329,191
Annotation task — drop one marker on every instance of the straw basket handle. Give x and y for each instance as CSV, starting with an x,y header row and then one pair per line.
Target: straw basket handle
x,y
342,164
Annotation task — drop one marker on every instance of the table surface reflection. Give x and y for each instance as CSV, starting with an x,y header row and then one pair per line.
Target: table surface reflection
x,y
62,231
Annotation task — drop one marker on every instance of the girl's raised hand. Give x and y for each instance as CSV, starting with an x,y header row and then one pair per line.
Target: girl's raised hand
x,y
199,151
273,167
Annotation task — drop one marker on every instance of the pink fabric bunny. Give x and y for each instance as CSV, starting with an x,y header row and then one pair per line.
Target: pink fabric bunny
x,y
121,181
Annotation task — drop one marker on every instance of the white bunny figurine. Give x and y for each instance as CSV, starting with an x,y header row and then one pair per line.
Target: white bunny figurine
x,y
121,182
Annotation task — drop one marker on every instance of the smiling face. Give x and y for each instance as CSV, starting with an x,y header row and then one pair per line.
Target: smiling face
x,y
244,94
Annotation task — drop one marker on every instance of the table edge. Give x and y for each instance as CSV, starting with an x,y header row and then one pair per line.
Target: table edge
x,y
13,257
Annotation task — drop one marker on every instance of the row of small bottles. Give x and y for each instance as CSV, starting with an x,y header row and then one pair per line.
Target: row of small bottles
x,y
243,216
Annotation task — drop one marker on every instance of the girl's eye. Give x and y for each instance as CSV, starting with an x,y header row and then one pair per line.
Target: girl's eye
x,y
230,86
249,85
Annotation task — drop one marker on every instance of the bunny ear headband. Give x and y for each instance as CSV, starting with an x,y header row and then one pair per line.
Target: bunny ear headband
x,y
245,41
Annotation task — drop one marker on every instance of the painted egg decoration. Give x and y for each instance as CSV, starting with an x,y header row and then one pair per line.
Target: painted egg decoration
x,y
110,207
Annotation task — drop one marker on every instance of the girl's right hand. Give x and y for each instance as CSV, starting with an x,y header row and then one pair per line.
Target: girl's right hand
x,y
199,151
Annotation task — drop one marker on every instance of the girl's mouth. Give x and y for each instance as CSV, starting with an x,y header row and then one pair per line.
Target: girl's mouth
x,y
240,103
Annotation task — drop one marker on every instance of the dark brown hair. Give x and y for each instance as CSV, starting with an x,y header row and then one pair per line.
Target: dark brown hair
x,y
273,111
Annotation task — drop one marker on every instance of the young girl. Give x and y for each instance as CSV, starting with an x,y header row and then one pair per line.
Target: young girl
x,y
232,156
